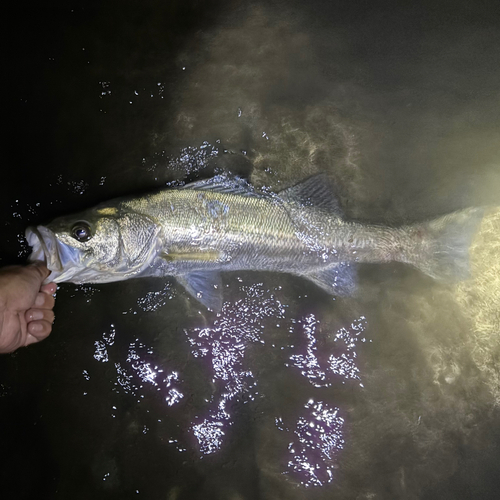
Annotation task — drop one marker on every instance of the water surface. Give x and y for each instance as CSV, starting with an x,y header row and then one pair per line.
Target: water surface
x,y
287,393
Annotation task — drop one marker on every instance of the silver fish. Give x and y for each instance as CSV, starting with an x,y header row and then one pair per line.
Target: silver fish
x,y
223,224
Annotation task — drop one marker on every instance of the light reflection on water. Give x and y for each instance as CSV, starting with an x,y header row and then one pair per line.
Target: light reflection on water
x,y
140,370
315,436
153,301
342,364
224,344
317,441
318,433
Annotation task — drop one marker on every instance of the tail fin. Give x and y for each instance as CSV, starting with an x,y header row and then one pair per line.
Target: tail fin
x,y
445,243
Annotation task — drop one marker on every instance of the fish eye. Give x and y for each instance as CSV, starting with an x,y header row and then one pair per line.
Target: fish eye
x,y
81,231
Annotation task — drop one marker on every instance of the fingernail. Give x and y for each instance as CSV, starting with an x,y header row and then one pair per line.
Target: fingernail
x,y
36,327
39,300
37,315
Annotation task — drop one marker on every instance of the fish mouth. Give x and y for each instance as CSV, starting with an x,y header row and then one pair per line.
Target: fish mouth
x,y
62,261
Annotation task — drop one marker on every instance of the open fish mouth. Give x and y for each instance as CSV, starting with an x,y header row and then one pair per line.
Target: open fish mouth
x,y
62,261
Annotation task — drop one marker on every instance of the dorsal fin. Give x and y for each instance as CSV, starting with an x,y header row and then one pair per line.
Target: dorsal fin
x,y
224,184
313,192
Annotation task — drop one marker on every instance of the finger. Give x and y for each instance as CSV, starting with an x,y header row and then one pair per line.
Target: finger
x,y
50,288
44,301
30,339
38,314
39,330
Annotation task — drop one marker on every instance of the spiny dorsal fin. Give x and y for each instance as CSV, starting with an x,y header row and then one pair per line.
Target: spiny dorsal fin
x,y
313,192
224,184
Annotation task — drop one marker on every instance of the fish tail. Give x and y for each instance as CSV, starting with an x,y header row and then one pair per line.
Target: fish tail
x,y
443,244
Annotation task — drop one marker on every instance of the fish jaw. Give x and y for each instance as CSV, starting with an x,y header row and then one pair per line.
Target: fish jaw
x,y
63,262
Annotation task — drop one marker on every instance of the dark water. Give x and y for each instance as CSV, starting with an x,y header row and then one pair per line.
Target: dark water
x,y
287,394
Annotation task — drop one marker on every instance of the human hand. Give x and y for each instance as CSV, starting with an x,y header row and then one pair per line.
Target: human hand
x,y
26,314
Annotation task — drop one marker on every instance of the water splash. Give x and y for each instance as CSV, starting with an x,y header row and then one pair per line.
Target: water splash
x,y
78,186
189,160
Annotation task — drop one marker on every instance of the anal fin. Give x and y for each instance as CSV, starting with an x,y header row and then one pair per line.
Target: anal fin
x,y
336,280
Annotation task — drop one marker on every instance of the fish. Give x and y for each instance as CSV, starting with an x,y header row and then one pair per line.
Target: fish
x,y
197,231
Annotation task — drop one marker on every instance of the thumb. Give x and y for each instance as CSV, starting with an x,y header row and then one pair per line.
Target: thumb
x,y
39,270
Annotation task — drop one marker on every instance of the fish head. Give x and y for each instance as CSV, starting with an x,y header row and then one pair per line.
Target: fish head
x,y
96,246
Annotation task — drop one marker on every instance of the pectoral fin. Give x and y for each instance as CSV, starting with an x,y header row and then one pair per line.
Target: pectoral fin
x,y
204,286
337,280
